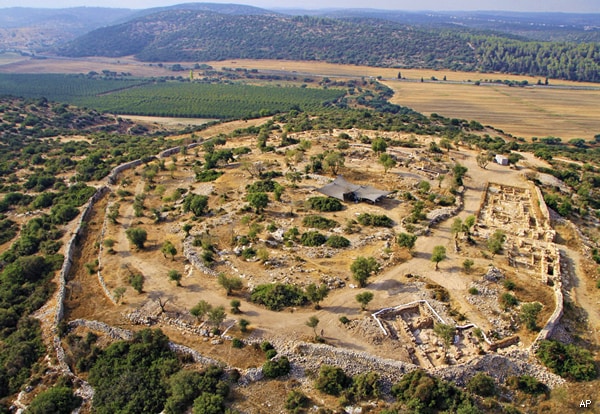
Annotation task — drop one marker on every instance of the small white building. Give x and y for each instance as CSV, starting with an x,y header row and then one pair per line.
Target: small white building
x,y
501,159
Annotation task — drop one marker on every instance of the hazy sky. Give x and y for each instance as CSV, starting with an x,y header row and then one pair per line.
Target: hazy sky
x,y
575,6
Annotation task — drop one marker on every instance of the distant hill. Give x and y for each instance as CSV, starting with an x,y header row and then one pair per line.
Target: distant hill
x,y
551,45
573,27
190,35
196,35
32,30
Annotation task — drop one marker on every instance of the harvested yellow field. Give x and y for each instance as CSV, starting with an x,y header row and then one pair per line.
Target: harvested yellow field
x,y
565,109
523,112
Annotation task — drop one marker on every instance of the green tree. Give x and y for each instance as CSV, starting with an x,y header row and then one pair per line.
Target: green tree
x,y
216,316
362,268
406,240
529,314
570,361
483,159
459,171
495,242
201,309
243,325
137,282
446,334
137,236
229,283
316,294
379,146
168,248
130,376
438,254
446,144
175,276
187,227
259,201
334,161
364,298
235,306
468,224
387,161
313,322
195,203
457,227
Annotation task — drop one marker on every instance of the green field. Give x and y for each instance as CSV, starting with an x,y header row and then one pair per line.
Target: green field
x,y
166,98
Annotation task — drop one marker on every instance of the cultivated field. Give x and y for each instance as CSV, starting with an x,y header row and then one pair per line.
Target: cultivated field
x,y
566,109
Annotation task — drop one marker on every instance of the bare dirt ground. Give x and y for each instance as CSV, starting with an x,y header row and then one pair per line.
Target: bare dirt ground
x,y
226,194
299,265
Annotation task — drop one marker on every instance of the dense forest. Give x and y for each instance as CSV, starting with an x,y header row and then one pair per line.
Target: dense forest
x,y
195,36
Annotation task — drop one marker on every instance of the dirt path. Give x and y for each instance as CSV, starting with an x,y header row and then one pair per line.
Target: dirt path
x,y
583,292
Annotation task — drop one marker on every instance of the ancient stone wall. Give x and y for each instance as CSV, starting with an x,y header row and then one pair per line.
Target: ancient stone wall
x,y
69,251
114,174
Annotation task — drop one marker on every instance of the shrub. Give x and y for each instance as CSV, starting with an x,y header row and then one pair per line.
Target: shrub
x,y
424,393
205,176
137,282
507,301
509,285
482,384
344,319
473,290
529,314
406,240
262,186
276,296
248,253
312,239
365,386
468,265
276,368
332,380
57,400
244,325
319,222
270,353
266,345
568,361
195,203
375,220
337,242
237,343
324,204
295,401
527,384
137,236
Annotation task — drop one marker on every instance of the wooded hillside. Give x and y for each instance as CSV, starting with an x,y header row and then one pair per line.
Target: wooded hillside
x,y
195,36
